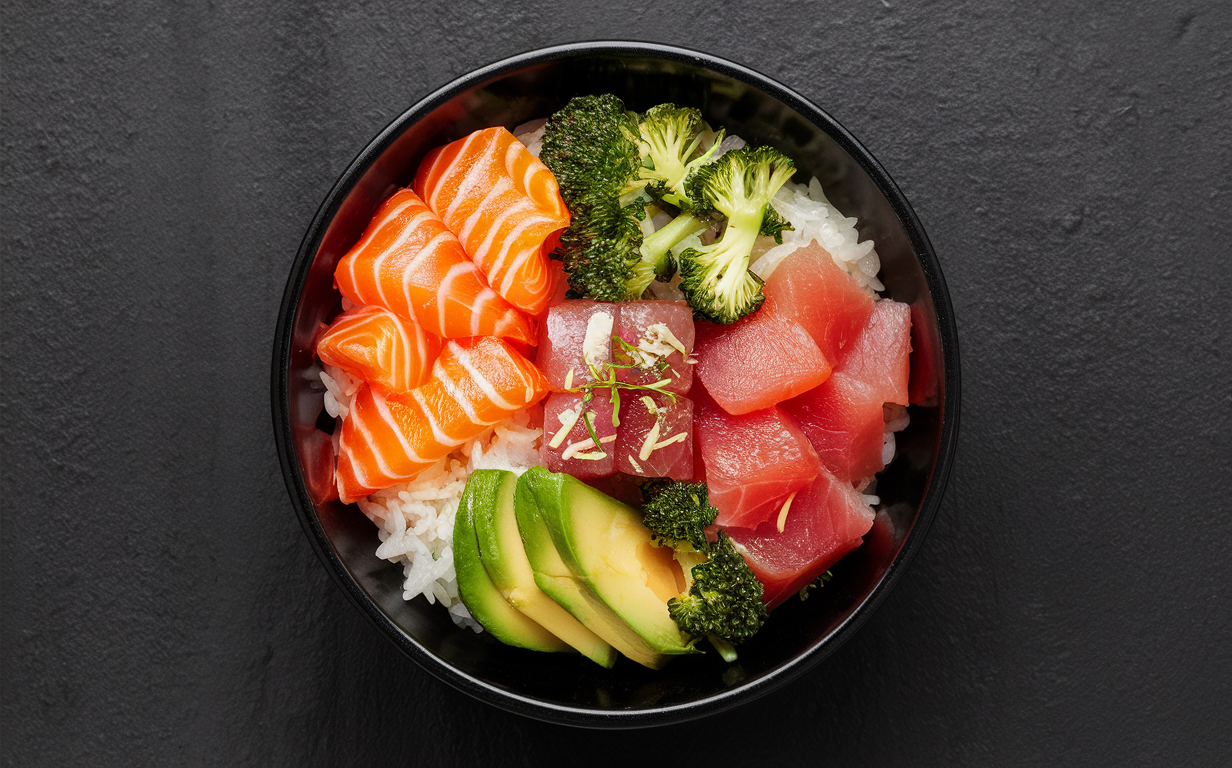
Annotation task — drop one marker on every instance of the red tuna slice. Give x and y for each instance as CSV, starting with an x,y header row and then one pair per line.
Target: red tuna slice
x,y
808,287
757,362
843,420
560,458
642,324
880,357
562,339
823,523
752,462
675,428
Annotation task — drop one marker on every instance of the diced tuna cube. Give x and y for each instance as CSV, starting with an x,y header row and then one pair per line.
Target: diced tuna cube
x,y
575,452
880,356
573,332
843,421
808,287
824,522
655,329
669,452
752,462
757,362
843,418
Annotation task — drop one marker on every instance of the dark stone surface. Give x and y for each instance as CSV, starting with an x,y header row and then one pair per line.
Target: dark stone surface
x,y
160,163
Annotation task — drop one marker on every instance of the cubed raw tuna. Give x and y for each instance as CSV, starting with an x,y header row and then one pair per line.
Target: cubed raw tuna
x,y
671,452
752,462
824,522
757,362
656,327
880,357
843,421
563,346
560,409
808,287
843,418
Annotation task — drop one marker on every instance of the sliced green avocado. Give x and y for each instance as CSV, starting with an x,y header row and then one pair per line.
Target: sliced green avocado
x,y
555,579
478,593
500,548
604,547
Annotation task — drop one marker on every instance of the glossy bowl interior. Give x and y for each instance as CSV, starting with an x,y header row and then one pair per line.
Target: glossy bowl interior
x,y
568,688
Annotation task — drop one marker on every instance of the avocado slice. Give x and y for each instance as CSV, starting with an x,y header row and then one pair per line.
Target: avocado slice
x,y
500,548
607,568
555,579
475,587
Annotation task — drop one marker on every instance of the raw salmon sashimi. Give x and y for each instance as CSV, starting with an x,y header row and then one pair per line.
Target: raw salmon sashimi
x,y
504,206
409,263
379,347
387,439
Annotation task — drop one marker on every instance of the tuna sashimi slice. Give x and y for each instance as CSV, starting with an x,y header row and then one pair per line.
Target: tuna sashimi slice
x,y
504,206
824,522
653,329
408,262
379,347
752,462
757,362
843,417
575,452
808,287
844,423
880,357
670,452
563,346
386,439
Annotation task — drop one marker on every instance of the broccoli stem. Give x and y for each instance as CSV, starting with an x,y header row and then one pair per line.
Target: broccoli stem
x,y
656,246
725,649
656,262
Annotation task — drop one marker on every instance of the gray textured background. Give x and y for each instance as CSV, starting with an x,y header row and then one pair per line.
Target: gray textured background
x,y
1070,162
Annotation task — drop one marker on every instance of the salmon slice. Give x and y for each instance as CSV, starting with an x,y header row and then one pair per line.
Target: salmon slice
x,y
387,439
411,264
379,347
505,208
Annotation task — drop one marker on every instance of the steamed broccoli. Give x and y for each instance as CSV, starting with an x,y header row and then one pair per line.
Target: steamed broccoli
x,y
607,164
668,138
716,279
723,599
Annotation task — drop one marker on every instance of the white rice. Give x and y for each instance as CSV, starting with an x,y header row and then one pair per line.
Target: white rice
x,y
530,133
415,519
813,217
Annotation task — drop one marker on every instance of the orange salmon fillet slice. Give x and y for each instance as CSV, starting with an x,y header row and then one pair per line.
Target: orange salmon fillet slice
x,y
408,262
505,207
388,439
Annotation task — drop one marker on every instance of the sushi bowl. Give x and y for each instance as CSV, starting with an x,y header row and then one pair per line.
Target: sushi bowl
x,y
798,635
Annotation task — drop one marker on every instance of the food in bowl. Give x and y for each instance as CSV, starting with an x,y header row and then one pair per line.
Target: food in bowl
x,y
662,365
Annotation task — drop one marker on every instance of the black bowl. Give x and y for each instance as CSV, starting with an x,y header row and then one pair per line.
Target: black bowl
x,y
570,689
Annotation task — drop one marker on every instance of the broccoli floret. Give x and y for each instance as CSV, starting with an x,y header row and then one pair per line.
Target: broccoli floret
x,y
669,137
606,168
679,512
723,599
716,279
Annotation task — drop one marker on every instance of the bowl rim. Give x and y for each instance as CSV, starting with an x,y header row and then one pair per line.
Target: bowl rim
x,y
574,715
